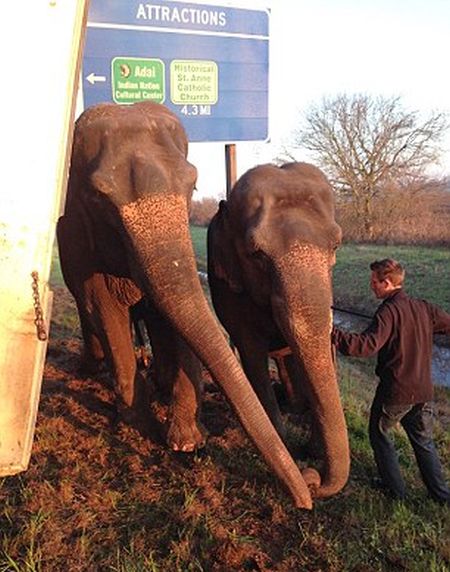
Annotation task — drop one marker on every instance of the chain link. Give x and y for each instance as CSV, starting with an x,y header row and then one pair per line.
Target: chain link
x,y
39,316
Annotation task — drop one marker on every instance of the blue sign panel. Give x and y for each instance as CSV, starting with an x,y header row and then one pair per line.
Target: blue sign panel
x,y
208,64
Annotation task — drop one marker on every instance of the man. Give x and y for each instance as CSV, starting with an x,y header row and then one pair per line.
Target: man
x,y
401,332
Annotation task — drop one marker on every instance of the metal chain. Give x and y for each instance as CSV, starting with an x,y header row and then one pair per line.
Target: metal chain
x,y
39,316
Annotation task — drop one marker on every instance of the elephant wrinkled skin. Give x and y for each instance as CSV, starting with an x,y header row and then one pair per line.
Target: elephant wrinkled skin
x,y
124,235
271,248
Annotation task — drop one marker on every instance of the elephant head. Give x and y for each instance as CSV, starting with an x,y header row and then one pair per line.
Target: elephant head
x,y
130,174
271,248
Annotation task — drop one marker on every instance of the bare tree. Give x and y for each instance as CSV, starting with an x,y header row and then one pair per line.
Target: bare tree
x,y
203,210
368,144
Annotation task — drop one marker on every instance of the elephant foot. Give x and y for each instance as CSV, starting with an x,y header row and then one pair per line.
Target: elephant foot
x,y
186,437
134,409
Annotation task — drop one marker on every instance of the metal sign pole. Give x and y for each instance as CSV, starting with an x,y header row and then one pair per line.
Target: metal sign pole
x,y
230,166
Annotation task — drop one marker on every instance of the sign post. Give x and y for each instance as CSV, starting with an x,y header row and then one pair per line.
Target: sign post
x,y
230,167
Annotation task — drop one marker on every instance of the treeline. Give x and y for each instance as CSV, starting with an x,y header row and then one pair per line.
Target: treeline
x,y
407,216
203,210
378,156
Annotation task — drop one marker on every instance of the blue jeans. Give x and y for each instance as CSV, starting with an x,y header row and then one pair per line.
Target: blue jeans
x,y
417,421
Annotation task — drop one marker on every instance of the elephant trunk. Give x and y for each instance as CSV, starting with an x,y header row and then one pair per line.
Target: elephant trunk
x,y
301,306
158,229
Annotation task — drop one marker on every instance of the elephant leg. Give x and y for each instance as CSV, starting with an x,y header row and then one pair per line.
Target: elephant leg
x,y
255,362
237,314
285,392
296,381
77,265
301,404
93,355
186,432
179,380
112,326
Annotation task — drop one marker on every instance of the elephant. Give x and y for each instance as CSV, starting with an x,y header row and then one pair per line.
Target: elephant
x,y
271,249
123,237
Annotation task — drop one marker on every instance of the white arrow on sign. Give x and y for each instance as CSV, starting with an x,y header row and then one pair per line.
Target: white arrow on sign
x,y
92,78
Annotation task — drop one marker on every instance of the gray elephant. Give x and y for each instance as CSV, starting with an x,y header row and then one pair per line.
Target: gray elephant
x,y
271,248
124,235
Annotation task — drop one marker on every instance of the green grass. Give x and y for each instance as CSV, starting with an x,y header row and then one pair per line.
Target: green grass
x,y
427,271
217,511
56,278
198,234
427,274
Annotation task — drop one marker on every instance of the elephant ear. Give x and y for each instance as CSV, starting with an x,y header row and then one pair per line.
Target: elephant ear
x,y
223,261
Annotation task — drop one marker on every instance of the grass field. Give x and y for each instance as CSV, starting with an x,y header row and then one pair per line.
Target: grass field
x,y
427,274
198,234
427,271
102,498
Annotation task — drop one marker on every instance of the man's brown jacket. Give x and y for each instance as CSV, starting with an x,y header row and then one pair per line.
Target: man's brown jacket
x,y
401,332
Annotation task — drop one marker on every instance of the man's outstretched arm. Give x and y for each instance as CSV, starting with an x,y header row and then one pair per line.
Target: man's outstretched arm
x,y
369,341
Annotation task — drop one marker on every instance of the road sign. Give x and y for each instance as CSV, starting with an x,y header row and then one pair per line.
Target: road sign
x,y
207,63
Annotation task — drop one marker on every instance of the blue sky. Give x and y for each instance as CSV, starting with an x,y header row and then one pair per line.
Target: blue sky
x,y
392,47
324,47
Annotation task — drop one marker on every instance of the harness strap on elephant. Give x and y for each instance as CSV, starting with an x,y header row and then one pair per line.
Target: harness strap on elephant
x,y
278,356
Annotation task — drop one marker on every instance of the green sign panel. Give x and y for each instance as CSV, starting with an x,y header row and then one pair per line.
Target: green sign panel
x,y
194,81
137,79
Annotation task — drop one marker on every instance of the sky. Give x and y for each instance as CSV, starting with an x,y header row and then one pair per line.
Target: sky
x,y
324,47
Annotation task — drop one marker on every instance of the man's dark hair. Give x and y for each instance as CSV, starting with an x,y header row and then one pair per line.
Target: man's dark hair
x,y
389,268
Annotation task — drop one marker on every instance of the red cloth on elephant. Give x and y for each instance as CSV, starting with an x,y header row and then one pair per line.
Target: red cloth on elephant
x,y
401,332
